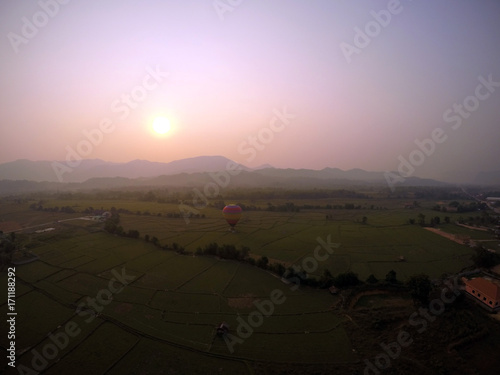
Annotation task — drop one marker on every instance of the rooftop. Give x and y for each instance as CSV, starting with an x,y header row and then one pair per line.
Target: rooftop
x,y
488,287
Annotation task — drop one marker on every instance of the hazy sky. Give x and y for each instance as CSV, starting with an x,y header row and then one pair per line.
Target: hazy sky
x,y
221,72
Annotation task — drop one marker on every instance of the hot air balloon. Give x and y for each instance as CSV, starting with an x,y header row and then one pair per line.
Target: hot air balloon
x,y
232,214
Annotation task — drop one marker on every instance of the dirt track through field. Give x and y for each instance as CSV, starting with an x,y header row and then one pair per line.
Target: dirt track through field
x,y
446,235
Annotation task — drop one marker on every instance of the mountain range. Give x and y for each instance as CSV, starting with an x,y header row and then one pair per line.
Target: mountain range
x,y
25,175
62,171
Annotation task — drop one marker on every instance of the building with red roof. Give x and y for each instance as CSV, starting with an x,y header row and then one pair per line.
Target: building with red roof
x,y
487,292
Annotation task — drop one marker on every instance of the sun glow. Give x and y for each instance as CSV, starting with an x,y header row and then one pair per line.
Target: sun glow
x,y
161,125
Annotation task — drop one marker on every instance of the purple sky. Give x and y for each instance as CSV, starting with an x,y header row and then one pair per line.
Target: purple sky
x,y
228,74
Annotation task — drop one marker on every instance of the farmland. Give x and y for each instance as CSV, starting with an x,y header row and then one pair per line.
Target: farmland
x,y
173,299
141,307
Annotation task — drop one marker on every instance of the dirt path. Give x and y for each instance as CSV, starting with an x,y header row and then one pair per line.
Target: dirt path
x,y
10,226
446,235
473,228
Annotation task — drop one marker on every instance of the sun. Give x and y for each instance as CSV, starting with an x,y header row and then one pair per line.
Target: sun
x,y
161,125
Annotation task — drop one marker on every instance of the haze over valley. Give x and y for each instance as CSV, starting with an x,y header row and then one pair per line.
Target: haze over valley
x,y
272,187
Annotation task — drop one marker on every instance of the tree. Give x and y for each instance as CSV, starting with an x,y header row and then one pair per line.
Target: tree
x,y
277,268
420,287
133,233
484,258
119,230
372,279
391,277
245,250
8,246
346,279
421,219
110,226
263,262
326,279
149,197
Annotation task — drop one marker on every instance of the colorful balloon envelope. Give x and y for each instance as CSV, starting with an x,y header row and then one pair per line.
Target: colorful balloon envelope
x,y
232,214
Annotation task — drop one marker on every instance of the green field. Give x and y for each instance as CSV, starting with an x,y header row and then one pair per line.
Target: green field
x,y
372,248
174,299
169,309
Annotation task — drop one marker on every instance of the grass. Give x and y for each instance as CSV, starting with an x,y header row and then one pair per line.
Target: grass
x,y
98,352
180,299
78,330
291,237
35,322
213,280
153,357
33,272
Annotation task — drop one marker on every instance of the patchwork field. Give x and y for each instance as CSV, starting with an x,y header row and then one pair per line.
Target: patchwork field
x,y
170,305
372,248
173,299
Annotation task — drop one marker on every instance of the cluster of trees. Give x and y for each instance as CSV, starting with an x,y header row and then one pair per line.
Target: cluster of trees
x,y
279,193
484,258
242,255
291,207
435,193
350,206
112,225
419,285
484,219
348,279
154,240
287,207
113,209
224,251
460,207
8,245
161,195
342,280
39,207
176,195
436,220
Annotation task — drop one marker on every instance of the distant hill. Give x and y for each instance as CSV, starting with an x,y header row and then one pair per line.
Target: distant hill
x,y
92,168
263,166
27,176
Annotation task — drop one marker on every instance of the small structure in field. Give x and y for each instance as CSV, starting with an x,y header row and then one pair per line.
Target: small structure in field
x,y
465,239
333,290
222,329
402,258
44,230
